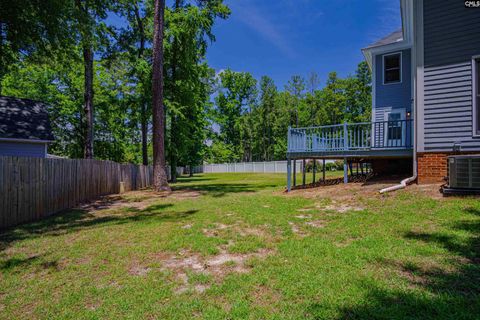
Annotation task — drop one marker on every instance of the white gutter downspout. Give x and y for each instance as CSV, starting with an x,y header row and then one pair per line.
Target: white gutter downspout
x,y
403,184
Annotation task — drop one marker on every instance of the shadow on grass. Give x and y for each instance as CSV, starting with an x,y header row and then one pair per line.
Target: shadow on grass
x,y
39,260
77,220
433,292
195,178
217,189
222,189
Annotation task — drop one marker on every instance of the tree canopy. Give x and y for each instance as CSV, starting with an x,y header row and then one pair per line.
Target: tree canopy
x,y
66,52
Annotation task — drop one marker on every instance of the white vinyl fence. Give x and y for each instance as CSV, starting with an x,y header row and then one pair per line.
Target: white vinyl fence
x,y
249,167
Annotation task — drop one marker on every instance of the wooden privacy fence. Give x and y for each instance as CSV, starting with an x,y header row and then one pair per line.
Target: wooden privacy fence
x,y
33,188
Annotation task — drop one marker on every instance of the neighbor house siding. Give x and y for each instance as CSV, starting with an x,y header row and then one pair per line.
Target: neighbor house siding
x,y
22,149
451,34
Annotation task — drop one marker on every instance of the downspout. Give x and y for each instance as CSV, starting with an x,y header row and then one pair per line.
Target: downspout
x,y
404,183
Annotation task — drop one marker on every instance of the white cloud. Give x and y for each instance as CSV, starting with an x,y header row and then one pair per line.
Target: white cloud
x,y
258,21
390,18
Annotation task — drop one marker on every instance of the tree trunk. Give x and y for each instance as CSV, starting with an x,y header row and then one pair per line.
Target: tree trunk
x,y
160,182
88,102
174,143
144,125
143,107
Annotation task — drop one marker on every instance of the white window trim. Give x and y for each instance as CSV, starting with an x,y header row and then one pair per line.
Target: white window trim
x,y
401,67
475,124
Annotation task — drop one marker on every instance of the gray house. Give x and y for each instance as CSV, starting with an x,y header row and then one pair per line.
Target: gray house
x,y
425,97
24,128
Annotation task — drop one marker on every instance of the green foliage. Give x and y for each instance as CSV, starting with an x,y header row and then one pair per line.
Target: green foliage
x,y
253,120
222,117
122,74
234,105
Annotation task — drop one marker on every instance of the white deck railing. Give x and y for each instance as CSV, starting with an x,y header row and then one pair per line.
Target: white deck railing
x,y
348,137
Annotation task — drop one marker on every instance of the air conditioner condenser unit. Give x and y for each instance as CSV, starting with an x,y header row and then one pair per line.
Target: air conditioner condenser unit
x,y
463,175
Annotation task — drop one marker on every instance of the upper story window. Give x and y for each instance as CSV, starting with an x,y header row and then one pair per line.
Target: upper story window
x,y
392,68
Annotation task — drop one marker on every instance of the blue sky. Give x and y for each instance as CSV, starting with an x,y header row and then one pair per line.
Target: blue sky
x,y
281,38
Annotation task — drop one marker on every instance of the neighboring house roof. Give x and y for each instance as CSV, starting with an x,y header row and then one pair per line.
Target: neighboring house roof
x,y
393,37
24,119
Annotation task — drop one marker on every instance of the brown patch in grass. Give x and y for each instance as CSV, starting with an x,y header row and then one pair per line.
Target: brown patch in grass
x,y
214,232
316,224
218,266
305,209
93,305
238,229
297,230
340,207
250,231
419,272
139,270
266,297
139,200
304,216
353,193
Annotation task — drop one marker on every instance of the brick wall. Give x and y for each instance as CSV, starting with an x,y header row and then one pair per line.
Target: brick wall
x,y
432,167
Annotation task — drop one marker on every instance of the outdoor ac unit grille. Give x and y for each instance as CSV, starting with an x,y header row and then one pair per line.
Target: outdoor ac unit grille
x,y
464,172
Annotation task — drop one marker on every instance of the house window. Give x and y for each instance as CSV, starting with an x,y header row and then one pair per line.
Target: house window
x,y
392,68
394,127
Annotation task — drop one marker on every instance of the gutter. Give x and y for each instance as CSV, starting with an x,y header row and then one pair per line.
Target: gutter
x,y
25,140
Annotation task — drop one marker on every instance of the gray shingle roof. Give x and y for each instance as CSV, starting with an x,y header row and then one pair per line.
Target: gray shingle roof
x,y
393,37
24,119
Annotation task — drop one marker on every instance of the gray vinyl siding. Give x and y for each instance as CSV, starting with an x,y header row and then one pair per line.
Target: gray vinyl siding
x,y
22,149
451,39
396,95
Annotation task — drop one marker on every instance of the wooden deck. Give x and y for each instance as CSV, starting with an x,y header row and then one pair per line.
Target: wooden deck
x,y
350,142
359,140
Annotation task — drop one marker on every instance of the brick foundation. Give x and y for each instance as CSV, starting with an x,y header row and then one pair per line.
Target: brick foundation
x,y
432,167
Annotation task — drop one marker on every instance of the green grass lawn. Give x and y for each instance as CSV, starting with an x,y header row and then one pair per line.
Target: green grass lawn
x,y
234,246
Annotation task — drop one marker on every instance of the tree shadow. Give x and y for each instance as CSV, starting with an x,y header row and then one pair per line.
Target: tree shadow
x,y
195,178
40,260
222,189
80,219
447,291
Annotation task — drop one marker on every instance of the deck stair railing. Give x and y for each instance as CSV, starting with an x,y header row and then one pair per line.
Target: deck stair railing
x,y
357,137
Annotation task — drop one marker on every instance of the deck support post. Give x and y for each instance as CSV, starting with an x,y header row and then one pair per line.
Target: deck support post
x,y
304,170
314,169
289,175
294,172
323,169
345,170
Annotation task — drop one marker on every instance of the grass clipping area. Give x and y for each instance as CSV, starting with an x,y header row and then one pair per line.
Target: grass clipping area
x,y
235,246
